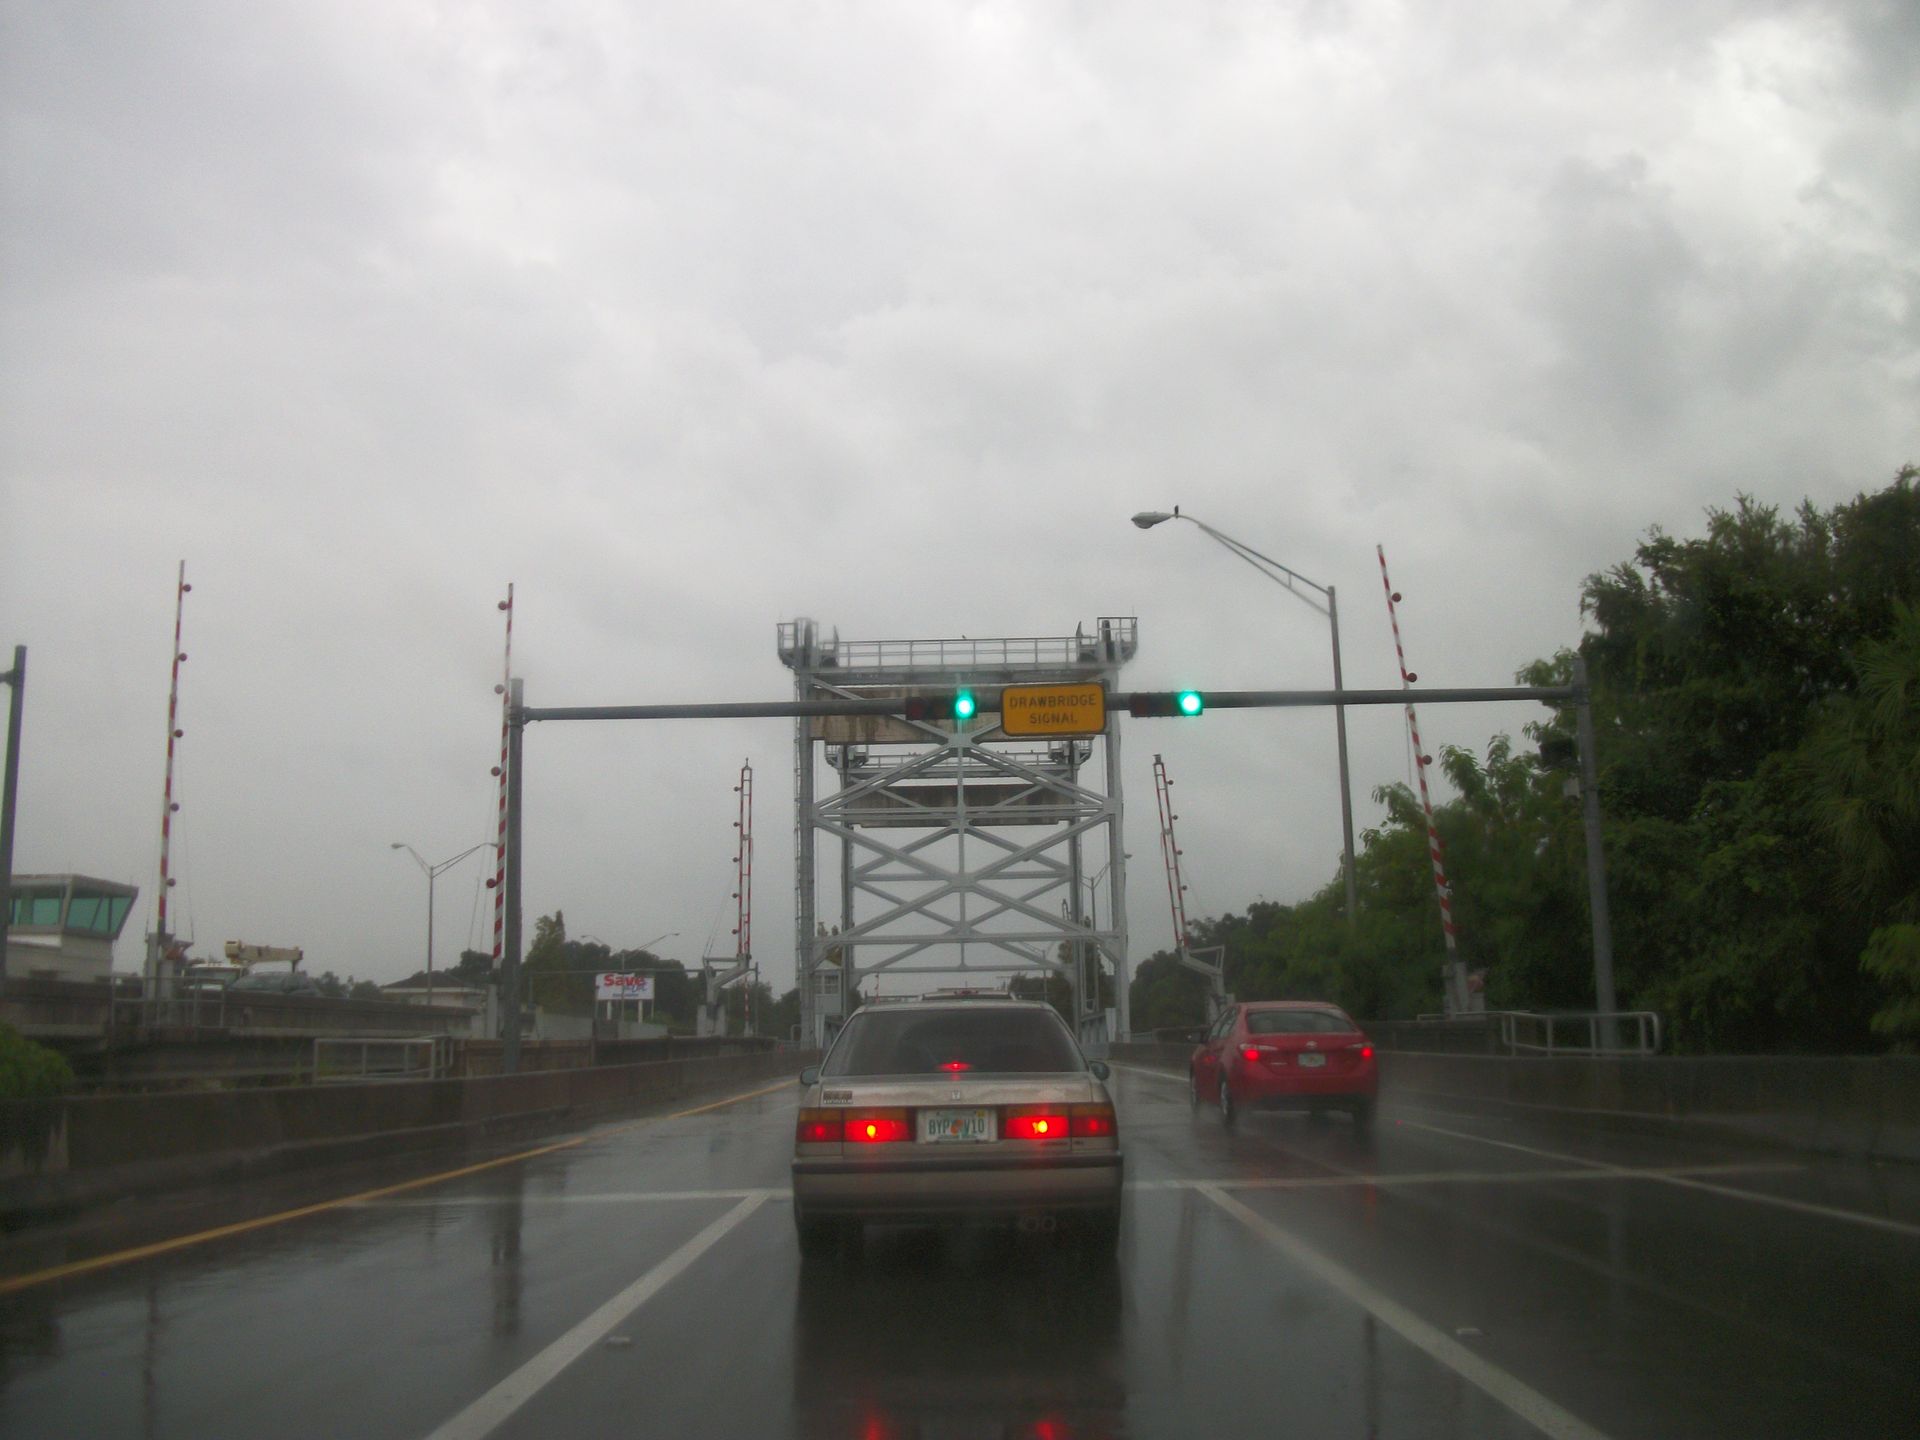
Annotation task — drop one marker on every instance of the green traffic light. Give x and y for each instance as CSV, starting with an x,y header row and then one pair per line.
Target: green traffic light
x,y
1190,702
964,705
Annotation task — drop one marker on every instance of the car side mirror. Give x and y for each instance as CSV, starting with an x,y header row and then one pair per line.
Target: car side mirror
x,y
1100,1069
810,1075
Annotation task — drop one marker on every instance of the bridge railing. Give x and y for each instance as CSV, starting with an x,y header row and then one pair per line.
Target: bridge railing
x,y
1626,1032
1524,1032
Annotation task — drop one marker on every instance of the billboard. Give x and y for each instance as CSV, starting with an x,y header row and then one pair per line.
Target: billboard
x,y
610,986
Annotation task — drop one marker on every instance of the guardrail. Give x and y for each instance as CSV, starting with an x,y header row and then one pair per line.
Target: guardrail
x,y
338,1060
1625,1032
1524,1032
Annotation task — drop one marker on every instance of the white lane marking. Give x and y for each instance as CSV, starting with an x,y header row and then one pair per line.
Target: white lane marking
x,y
1290,1182
604,1197
1522,1399
1490,1177
1166,1075
1780,1202
493,1409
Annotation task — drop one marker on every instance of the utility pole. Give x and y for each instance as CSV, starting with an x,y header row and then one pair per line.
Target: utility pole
x,y
510,962
16,680
1604,999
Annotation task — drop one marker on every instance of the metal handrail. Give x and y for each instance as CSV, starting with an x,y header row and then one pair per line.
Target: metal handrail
x,y
801,645
1622,1032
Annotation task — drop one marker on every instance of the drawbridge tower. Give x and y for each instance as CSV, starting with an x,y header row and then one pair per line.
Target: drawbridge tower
x,y
963,851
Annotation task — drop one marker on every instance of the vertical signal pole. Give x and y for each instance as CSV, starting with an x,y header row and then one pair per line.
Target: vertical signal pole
x,y
158,941
498,884
1456,976
16,681
510,963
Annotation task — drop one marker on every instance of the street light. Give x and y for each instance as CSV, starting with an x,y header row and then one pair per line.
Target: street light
x,y
434,872
1327,605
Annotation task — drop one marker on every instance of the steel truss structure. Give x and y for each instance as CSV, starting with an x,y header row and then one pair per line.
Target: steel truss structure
x,y
960,848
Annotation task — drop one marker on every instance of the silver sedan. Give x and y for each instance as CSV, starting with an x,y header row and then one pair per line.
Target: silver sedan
x,y
945,1110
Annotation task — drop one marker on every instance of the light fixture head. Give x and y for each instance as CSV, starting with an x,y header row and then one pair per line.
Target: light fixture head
x,y
1147,519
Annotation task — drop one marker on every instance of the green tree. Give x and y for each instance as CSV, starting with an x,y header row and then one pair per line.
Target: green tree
x,y
1864,769
474,968
29,1070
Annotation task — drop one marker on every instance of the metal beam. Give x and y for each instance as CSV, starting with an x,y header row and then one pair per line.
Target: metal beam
x,y
990,701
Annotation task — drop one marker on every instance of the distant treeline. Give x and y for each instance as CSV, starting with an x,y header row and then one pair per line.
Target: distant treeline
x,y
1756,692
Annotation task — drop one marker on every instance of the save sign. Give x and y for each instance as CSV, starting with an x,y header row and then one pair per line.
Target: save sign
x,y
609,986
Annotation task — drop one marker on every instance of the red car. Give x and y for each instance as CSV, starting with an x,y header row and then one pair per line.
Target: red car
x,y
1285,1055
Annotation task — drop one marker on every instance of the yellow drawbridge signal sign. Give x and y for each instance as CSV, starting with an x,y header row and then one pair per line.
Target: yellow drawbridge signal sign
x,y
1053,710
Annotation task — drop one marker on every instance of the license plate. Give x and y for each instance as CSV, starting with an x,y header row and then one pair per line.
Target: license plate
x,y
1311,1060
955,1127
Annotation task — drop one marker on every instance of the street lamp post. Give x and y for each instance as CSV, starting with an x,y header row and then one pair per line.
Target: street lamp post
x,y
1328,605
433,873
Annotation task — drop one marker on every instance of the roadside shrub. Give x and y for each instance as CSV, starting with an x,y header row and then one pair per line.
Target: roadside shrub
x,y
29,1070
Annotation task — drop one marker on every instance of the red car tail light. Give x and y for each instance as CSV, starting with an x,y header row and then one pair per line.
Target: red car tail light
x,y
877,1127
1366,1051
954,1067
819,1127
1036,1123
1091,1122
1250,1052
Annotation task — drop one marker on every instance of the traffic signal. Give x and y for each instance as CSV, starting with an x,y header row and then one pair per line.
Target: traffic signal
x,y
1153,704
952,705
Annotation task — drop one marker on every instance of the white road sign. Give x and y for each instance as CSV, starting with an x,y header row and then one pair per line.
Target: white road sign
x,y
609,986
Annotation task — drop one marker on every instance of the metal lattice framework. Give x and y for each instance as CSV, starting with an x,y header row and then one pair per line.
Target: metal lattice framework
x,y
960,848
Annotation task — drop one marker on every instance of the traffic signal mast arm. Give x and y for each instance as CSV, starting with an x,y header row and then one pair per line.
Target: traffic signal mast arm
x,y
989,700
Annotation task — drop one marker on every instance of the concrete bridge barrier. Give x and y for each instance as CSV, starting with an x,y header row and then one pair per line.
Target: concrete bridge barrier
x,y
65,1154
1859,1106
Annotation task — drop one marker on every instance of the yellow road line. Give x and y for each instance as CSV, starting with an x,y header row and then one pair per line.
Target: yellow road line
x,y
13,1283
787,1084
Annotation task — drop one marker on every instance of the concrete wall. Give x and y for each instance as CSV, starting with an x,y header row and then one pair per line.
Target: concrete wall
x,y
72,1152
1861,1106
1152,1056
1837,1105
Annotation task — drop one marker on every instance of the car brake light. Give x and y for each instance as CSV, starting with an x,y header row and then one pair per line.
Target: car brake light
x,y
1088,1122
878,1127
1036,1125
818,1127
953,1067
1366,1051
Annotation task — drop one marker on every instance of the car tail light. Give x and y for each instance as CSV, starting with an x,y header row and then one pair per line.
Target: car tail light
x,y
1250,1052
819,1127
877,1127
1089,1122
1366,1051
954,1067
1037,1124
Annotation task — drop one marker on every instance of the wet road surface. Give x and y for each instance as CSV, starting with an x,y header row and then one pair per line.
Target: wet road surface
x,y
1452,1276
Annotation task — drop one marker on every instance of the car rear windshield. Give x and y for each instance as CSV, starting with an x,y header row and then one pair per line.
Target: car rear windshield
x,y
1298,1022
954,1042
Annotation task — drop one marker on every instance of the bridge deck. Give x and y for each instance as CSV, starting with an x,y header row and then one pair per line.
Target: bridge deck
x,y
1454,1277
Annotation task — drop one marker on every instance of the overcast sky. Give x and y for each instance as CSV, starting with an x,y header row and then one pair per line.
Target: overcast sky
x,y
687,319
